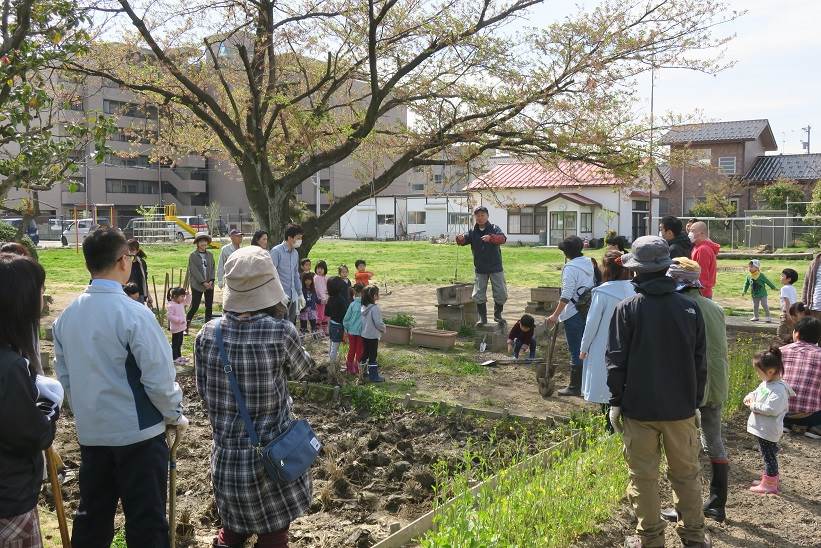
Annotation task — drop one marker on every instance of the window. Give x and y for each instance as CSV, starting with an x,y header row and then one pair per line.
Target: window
x,y
586,222
458,218
325,185
641,205
125,135
438,178
664,206
526,220
513,218
129,109
126,186
417,187
726,165
734,201
703,156
384,219
416,217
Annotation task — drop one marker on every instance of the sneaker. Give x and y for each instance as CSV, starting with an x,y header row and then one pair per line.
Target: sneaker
x,y
813,433
768,320
753,319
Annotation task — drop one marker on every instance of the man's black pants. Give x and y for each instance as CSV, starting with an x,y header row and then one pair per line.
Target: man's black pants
x,y
136,474
196,297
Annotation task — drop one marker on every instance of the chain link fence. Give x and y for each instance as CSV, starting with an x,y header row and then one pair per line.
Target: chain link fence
x,y
778,232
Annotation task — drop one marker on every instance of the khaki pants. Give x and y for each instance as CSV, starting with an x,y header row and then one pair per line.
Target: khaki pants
x,y
643,442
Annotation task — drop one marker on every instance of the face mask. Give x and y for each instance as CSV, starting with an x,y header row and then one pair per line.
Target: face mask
x,y
297,243
661,234
692,236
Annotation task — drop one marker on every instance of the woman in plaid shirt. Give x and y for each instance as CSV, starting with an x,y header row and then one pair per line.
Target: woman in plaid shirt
x,y
802,371
264,352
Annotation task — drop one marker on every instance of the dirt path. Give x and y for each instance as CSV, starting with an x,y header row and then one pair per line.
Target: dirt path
x,y
789,520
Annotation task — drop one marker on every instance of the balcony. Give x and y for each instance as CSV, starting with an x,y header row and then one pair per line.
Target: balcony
x,y
188,186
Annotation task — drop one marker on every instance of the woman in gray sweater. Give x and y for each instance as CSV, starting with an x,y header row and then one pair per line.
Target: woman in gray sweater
x,y
201,275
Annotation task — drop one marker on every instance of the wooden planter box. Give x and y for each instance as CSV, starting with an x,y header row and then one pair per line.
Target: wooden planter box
x,y
545,294
395,334
434,338
455,294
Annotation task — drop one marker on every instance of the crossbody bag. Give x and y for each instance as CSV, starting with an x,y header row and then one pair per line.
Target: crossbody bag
x,y
288,456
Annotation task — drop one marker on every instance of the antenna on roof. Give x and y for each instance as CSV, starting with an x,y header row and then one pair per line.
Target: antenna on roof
x,y
806,144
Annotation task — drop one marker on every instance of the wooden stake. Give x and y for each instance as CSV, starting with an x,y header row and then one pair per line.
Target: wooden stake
x,y
51,461
165,291
156,304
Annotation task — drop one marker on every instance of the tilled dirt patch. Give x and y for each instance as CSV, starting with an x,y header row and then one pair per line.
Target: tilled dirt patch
x,y
374,472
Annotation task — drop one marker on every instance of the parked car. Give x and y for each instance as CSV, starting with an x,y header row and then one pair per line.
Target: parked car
x,y
31,231
58,225
76,234
173,231
194,221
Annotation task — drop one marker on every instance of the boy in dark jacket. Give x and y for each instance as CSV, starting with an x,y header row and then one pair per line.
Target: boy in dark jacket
x,y
335,309
671,230
484,240
656,372
521,336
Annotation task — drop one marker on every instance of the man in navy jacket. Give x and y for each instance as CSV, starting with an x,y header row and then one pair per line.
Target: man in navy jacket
x,y
484,240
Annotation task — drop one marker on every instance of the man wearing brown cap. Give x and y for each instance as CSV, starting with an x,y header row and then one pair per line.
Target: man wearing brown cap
x,y
225,252
656,372
484,240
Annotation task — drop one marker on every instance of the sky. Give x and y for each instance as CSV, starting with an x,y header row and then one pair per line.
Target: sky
x,y
777,72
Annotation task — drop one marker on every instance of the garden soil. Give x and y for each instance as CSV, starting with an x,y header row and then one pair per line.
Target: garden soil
x,y
789,520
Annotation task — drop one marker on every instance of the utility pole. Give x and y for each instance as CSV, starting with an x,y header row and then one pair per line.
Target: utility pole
x,y
318,193
806,144
159,168
652,163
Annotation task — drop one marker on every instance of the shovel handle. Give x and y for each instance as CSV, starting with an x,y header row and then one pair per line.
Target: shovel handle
x,y
51,461
175,434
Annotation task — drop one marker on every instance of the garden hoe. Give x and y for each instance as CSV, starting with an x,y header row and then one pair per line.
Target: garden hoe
x,y
172,482
547,369
52,458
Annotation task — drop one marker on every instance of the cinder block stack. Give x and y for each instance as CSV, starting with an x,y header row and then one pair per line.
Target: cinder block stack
x,y
456,307
543,300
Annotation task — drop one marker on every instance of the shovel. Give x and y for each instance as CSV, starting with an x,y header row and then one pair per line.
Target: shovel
x,y
510,361
52,458
172,433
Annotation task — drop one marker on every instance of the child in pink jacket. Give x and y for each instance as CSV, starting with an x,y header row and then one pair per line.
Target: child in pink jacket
x,y
321,286
177,323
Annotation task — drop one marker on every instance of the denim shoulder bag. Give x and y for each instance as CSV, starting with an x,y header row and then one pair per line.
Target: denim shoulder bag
x,y
288,456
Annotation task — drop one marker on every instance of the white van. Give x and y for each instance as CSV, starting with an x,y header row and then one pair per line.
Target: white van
x,y
73,235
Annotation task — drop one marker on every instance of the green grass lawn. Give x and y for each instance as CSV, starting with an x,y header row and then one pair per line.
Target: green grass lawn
x,y
421,263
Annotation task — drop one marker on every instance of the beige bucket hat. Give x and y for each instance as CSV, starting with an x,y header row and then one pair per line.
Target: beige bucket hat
x,y
251,281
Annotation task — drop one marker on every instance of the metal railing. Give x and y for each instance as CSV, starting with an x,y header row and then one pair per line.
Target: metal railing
x,y
754,231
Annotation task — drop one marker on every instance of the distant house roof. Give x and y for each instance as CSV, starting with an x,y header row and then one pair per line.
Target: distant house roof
x,y
533,175
572,197
721,132
798,167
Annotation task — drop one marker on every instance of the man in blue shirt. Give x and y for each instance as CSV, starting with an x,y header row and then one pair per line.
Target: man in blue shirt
x,y
286,260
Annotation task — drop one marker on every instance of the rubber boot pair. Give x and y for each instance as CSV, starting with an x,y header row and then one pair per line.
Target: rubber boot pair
x,y
373,374
497,313
575,386
482,310
715,503
767,485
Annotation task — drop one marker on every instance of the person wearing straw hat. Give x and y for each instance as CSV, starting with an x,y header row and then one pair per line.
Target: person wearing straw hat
x,y
656,372
201,277
236,242
264,351
686,272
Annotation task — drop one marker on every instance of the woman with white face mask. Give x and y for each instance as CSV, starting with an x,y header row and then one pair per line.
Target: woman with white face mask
x,y
286,260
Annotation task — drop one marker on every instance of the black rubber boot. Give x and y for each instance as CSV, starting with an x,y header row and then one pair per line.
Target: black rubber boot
x,y
482,310
575,386
715,503
497,313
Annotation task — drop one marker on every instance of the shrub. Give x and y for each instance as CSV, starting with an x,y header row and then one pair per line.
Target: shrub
x,y
401,320
780,192
8,234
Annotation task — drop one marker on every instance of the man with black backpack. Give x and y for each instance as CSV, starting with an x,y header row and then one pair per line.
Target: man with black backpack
x,y
579,277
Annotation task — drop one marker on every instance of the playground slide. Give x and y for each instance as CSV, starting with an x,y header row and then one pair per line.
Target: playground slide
x,y
187,228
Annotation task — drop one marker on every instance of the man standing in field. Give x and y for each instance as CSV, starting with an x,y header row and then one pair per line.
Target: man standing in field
x,y
656,372
226,251
286,260
484,240
115,364
704,253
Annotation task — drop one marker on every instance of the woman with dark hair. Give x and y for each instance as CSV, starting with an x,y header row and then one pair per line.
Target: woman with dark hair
x,y
29,403
260,239
617,243
615,287
139,270
578,278
15,249
264,352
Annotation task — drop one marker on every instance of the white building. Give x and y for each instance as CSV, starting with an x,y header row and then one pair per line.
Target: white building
x,y
399,217
572,198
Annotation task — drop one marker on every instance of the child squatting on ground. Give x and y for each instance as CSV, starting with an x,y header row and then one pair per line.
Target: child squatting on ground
x,y
768,404
757,283
522,336
176,321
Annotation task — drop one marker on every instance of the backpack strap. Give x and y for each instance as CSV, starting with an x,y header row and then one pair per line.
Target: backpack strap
x,y
232,379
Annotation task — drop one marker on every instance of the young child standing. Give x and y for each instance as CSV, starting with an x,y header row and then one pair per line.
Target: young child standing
x,y
757,284
133,291
308,313
768,404
352,322
788,298
336,309
321,286
343,273
304,266
372,329
362,276
521,335
176,321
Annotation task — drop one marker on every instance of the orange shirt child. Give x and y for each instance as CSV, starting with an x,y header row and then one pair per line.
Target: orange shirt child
x,y
362,276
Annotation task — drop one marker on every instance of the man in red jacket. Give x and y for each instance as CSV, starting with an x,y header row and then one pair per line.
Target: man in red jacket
x,y
704,253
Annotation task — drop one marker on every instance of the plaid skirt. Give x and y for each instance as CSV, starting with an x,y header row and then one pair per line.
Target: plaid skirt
x,y
248,500
21,531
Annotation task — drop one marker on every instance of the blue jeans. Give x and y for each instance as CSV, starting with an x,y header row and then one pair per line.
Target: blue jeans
x,y
573,331
517,346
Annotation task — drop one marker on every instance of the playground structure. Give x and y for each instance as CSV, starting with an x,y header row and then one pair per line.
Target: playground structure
x,y
164,226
